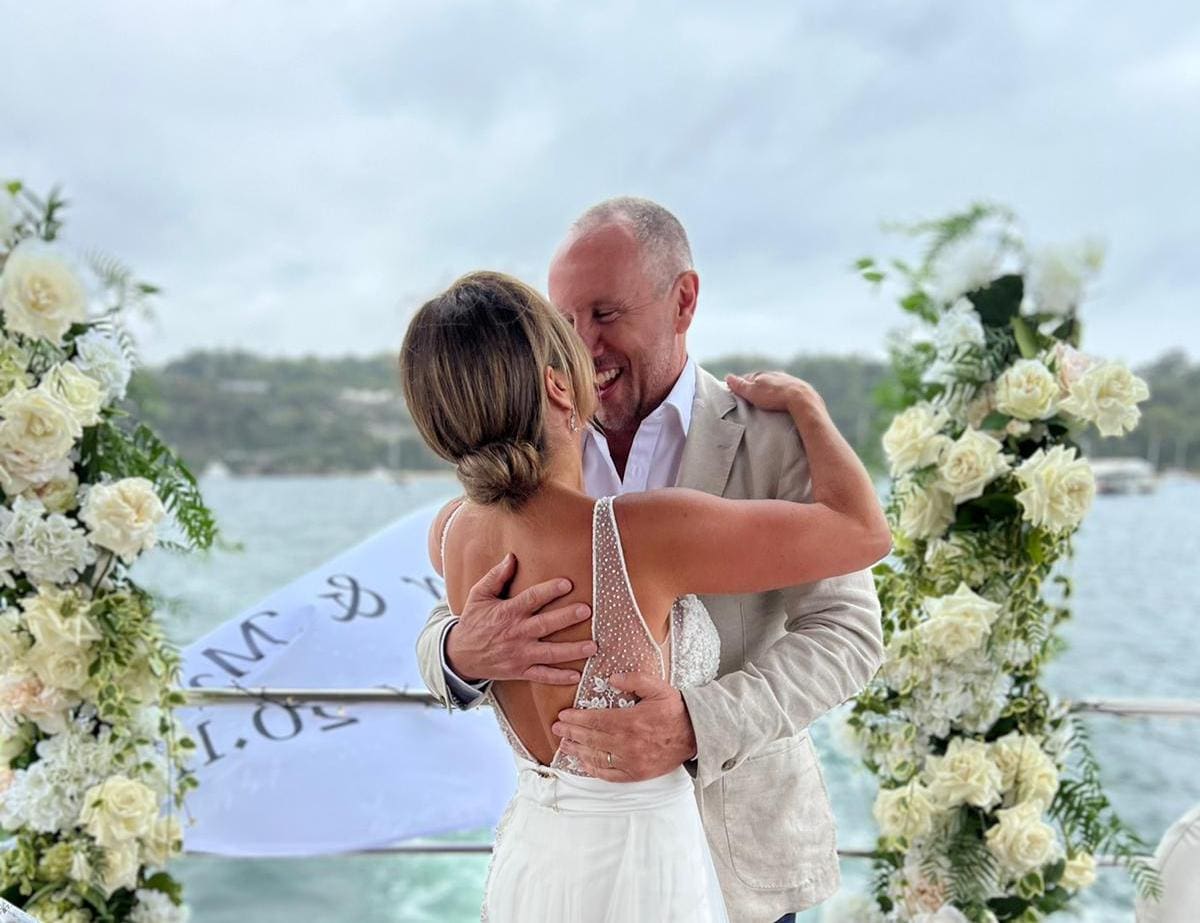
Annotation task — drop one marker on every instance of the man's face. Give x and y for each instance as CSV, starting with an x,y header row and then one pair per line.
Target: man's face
x,y
629,323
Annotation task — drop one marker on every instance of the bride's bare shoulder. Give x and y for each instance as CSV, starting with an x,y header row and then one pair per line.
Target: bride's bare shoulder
x,y
437,529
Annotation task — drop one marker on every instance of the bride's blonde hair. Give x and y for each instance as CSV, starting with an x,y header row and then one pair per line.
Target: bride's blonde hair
x,y
472,368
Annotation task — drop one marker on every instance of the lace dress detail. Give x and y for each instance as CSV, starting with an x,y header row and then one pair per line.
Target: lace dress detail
x,y
695,644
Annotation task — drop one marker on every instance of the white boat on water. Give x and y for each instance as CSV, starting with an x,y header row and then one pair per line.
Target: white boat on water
x,y
1124,475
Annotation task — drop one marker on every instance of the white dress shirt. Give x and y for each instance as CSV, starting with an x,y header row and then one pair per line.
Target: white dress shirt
x,y
653,462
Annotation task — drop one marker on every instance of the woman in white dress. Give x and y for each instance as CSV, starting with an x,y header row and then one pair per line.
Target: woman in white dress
x,y
499,384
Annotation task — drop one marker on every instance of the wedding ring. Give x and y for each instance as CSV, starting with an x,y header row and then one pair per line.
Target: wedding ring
x,y
609,753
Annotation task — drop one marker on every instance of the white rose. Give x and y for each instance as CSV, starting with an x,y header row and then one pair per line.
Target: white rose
x,y
1107,394
60,667
121,866
57,615
1069,365
1056,277
964,775
1080,872
905,811
81,393
118,810
57,495
964,266
958,623
122,516
1027,390
14,366
14,643
959,327
1025,769
41,295
1021,840
1057,488
23,695
925,512
970,463
164,840
101,357
37,423
914,438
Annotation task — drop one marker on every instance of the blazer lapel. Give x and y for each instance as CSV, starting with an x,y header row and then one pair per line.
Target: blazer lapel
x,y
712,441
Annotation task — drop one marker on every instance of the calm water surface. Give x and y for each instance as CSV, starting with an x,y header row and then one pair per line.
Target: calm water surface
x,y
1137,610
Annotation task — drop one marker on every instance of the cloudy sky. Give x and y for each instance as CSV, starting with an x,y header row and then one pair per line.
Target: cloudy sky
x,y
298,176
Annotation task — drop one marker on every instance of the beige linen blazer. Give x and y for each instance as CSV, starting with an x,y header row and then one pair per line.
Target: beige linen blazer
x,y
787,657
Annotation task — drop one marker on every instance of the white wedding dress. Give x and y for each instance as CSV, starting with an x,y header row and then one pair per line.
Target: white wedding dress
x,y
571,847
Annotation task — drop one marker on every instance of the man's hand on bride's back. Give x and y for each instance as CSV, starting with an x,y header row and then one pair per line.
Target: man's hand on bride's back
x,y
776,391
497,638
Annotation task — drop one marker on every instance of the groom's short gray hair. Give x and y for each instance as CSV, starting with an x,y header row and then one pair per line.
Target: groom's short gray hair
x,y
663,241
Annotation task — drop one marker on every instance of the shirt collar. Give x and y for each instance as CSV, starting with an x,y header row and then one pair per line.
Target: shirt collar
x,y
679,399
683,395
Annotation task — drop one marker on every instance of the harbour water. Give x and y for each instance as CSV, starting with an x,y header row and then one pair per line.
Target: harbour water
x,y
1137,617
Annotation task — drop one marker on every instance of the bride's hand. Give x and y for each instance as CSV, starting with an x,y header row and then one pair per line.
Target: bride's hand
x,y
776,391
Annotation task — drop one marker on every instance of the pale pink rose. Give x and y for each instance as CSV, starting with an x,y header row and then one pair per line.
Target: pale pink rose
x,y
1070,364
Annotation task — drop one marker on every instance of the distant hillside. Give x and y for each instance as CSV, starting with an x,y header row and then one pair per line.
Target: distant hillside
x,y
276,416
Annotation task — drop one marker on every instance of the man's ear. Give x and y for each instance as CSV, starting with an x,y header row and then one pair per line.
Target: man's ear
x,y
557,390
687,293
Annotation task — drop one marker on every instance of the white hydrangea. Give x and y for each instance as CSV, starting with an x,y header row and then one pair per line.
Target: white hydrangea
x,y
963,266
1107,394
48,795
970,463
49,548
1057,488
14,366
100,356
155,907
1056,277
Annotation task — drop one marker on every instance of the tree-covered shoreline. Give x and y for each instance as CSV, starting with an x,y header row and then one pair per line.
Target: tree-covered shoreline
x,y
255,415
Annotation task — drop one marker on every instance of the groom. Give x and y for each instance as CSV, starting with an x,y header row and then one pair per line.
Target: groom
x,y
624,278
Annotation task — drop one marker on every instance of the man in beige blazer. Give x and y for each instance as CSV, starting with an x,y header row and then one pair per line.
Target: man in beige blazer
x,y
624,277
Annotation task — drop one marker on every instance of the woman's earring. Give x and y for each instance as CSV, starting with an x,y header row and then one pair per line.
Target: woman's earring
x,y
574,426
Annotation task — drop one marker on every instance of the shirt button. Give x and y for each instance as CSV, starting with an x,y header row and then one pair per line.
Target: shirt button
x,y
728,764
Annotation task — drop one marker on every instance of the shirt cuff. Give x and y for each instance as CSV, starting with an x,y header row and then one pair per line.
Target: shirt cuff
x,y
465,695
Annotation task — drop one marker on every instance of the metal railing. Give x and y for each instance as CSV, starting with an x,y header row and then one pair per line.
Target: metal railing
x,y
1124,708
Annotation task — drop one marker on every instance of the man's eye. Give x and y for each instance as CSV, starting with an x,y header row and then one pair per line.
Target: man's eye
x,y
605,316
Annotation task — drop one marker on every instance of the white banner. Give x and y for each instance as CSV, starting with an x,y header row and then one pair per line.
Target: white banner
x,y
280,780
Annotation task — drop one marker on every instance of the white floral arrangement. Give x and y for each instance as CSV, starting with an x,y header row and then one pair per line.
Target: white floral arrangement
x,y
91,755
989,806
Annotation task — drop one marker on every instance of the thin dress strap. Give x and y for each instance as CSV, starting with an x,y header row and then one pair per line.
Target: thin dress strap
x,y
446,531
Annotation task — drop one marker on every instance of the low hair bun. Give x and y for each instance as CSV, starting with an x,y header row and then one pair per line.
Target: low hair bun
x,y
507,473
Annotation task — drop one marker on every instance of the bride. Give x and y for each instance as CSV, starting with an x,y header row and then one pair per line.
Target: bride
x,y
498,383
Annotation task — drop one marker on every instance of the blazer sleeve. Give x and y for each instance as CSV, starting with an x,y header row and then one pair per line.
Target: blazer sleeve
x,y
832,647
449,689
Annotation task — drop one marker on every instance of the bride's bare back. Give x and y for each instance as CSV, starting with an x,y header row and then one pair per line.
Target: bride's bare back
x,y
551,537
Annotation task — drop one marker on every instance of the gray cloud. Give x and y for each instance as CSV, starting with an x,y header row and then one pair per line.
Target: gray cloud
x,y
297,179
